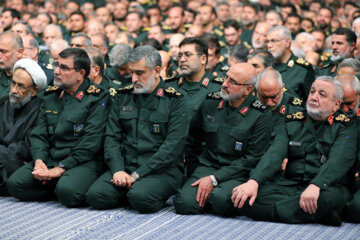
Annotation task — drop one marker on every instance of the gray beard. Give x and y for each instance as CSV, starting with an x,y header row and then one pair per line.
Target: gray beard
x,y
19,103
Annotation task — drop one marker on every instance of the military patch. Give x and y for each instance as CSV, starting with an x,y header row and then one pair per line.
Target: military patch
x,y
331,120
225,68
213,95
52,89
103,104
79,95
93,90
156,128
78,129
244,110
172,92
302,61
112,92
221,104
342,118
205,82
49,66
323,159
127,108
295,116
259,106
219,80
358,113
172,77
160,92
127,88
296,101
282,109
247,45
238,146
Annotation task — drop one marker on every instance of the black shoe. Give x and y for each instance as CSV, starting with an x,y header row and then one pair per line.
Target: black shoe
x,y
332,218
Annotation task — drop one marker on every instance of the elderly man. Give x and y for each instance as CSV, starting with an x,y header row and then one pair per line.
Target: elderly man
x,y
261,59
259,35
80,40
144,141
11,50
18,115
321,147
236,129
296,73
66,141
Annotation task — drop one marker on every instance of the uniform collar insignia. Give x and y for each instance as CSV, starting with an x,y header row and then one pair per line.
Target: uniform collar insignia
x,y
160,92
221,104
282,109
331,120
358,112
205,82
244,110
80,95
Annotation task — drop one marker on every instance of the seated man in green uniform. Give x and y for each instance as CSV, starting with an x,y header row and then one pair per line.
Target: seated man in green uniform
x,y
67,139
144,142
236,129
18,115
350,105
320,144
11,49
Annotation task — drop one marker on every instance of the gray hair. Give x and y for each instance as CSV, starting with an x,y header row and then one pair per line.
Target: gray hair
x,y
338,88
34,43
284,32
269,73
353,63
58,29
265,56
306,34
152,56
352,79
59,44
119,55
27,26
87,42
16,39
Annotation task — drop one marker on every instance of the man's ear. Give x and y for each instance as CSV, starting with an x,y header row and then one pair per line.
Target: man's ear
x,y
35,91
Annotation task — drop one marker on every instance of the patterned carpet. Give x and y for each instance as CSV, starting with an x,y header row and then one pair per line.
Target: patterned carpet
x,y
50,220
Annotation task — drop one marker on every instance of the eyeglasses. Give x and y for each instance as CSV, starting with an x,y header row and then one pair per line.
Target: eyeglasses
x,y
273,41
187,55
19,86
233,82
74,45
62,67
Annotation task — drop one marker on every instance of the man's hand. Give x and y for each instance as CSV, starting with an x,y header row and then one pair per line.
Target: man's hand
x,y
308,199
121,179
55,172
243,192
284,163
40,168
205,187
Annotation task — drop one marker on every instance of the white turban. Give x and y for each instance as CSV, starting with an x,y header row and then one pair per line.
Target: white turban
x,y
37,74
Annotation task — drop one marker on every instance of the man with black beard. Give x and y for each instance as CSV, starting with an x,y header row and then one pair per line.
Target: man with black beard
x,y
324,19
120,11
18,114
250,17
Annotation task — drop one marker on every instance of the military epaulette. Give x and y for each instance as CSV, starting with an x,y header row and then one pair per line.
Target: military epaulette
x,y
112,92
213,95
342,118
52,89
221,59
258,106
145,29
49,66
123,29
303,62
125,89
93,90
295,116
324,58
172,92
225,68
145,2
296,101
219,80
326,66
170,78
218,32
222,44
166,28
187,25
247,45
221,27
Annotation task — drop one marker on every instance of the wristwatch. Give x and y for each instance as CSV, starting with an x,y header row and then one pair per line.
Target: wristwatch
x,y
61,165
135,175
214,181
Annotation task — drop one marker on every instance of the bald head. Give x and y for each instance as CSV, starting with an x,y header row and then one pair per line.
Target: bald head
x,y
243,71
269,88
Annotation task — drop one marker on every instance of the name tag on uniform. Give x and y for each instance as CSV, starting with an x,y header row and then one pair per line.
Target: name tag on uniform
x,y
293,143
238,146
156,128
78,129
127,108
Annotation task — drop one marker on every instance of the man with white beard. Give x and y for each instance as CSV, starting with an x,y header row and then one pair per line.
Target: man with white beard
x,y
321,150
236,129
144,140
343,42
18,114
259,35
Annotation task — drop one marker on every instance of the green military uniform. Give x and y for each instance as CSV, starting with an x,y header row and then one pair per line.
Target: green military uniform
x,y
195,92
297,75
145,133
172,68
219,33
320,153
235,139
329,69
246,36
220,70
5,82
112,75
69,133
141,37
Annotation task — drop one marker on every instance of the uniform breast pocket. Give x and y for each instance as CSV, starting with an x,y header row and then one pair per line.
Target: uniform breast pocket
x,y
296,150
234,141
52,120
211,137
158,126
323,149
76,124
128,120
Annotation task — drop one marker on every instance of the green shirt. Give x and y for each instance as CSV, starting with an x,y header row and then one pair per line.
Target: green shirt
x,y
70,128
146,133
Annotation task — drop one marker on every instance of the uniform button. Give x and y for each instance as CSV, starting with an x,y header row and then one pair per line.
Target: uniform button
x,y
325,185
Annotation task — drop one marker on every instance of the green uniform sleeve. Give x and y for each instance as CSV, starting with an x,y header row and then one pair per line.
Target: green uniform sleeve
x,y
193,145
341,157
258,142
172,148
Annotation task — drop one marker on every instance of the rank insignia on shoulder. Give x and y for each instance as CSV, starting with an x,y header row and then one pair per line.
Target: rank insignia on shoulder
x,y
127,88
52,89
296,101
291,63
302,61
49,66
284,89
169,78
222,43
93,90
112,92
342,118
324,58
213,95
218,80
295,116
172,92
218,32
325,66
225,68
259,106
